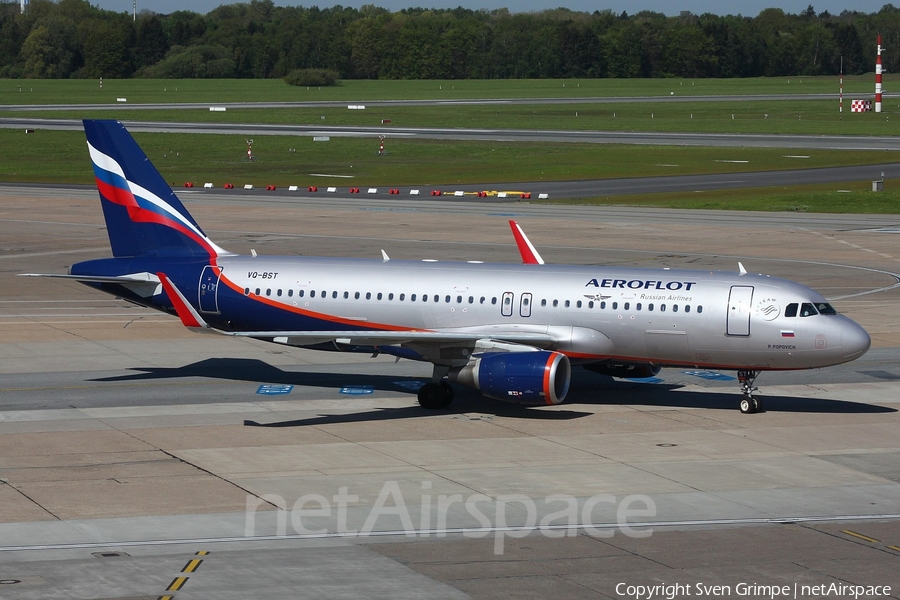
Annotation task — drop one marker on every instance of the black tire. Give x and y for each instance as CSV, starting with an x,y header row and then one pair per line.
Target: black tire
x,y
448,390
747,405
757,405
433,396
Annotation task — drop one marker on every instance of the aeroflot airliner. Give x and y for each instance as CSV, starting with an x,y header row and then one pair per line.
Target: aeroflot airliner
x,y
510,331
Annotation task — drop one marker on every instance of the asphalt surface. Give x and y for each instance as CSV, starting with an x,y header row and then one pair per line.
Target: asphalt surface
x,y
119,106
823,142
139,460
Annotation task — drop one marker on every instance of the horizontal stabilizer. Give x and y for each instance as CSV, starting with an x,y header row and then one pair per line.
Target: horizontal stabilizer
x,y
121,279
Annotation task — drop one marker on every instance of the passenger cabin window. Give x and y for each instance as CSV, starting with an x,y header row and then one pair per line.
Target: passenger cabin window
x,y
578,304
808,310
246,291
627,305
379,295
299,293
615,306
269,292
567,304
555,303
290,293
256,292
278,293
412,298
333,294
699,309
402,297
825,309
356,295
391,296
494,300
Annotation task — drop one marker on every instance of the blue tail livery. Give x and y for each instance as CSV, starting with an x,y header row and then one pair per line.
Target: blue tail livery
x,y
143,215
512,331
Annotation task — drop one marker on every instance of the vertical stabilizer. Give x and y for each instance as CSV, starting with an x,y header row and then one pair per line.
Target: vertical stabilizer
x,y
143,215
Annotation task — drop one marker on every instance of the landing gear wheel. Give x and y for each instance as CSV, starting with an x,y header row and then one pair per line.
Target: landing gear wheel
x,y
435,395
448,390
750,405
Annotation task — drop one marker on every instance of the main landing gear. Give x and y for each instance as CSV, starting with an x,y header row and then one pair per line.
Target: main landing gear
x,y
438,393
749,403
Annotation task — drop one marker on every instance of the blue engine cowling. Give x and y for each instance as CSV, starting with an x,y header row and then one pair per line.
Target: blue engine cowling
x,y
532,378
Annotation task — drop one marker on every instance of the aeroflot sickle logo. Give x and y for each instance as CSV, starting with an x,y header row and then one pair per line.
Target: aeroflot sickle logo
x,y
641,284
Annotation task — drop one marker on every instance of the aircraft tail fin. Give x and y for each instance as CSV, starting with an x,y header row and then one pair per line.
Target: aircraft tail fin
x,y
143,215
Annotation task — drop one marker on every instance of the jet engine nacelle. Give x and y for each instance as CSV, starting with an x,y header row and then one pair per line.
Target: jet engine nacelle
x,y
532,378
632,371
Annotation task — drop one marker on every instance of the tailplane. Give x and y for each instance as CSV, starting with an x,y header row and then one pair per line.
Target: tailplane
x,y
143,215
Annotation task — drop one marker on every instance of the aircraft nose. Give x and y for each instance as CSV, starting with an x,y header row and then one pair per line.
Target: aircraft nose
x,y
855,340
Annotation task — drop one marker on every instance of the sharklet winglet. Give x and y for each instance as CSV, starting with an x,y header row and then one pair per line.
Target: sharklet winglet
x,y
527,250
190,318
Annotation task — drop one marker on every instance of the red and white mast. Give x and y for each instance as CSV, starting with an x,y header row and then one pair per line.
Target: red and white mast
x,y
878,78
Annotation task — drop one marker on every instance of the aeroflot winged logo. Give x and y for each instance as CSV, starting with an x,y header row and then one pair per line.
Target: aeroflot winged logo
x,y
641,284
143,205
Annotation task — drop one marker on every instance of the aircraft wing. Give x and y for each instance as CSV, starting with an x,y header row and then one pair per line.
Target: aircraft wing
x,y
377,338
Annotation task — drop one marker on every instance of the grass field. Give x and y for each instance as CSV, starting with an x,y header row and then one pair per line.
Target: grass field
x,y
48,156
849,197
84,91
220,158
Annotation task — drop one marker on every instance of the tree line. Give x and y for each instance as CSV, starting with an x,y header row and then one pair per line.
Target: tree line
x,y
72,39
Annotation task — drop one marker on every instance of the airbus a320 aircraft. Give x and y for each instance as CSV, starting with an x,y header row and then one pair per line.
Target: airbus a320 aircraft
x,y
510,331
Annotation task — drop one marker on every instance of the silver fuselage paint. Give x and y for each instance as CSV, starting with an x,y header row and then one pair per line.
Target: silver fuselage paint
x,y
698,318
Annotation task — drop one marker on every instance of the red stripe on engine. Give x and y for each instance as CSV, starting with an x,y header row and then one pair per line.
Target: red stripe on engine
x,y
548,370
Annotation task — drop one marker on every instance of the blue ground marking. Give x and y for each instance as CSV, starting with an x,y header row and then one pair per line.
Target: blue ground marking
x,y
644,379
358,390
410,385
274,389
711,375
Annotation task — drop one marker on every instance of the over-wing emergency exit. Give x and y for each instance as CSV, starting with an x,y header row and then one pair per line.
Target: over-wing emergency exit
x,y
511,331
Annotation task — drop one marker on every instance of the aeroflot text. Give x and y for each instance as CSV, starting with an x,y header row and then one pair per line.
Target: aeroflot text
x,y
641,284
755,590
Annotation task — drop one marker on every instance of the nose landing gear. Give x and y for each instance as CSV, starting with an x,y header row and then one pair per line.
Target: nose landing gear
x,y
749,403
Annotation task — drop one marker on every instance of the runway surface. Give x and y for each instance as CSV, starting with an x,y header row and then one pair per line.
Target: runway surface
x,y
424,102
821,142
139,460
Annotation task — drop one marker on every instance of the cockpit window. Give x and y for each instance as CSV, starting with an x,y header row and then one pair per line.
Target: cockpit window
x,y
808,310
825,309
791,309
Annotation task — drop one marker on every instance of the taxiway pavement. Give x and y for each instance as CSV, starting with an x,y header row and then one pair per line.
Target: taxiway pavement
x,y
130,448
